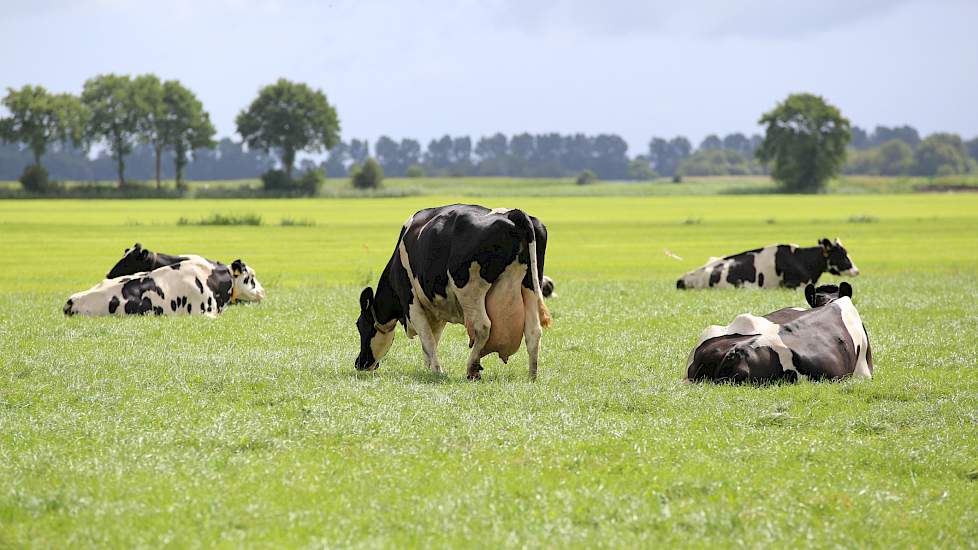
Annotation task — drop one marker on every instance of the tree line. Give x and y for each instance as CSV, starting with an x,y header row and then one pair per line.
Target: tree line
x,y
144,128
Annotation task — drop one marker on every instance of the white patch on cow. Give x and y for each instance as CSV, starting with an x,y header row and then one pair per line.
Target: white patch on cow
x,y
498,211
764,264
380,343
750,325
854,325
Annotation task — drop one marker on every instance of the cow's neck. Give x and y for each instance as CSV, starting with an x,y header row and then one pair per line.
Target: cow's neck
x,y
387,307
813,259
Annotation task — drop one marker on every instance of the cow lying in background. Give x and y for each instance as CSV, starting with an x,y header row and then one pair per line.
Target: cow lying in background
x,y
777,265
827,341
462,264
547,287
192,286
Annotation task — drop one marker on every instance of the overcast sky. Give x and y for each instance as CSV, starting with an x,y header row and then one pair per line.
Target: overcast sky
x,y
423,69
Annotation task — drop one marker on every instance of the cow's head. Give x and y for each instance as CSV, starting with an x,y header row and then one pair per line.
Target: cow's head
x,y
375,339
134,260
245,286
837,259
826,294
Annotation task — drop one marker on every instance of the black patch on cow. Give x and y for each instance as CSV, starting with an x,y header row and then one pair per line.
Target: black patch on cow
x,y
760,280
189,308
799,266
113,304
138,259
220,282
173,305
741,270
715,275
680,284
175,266
157,310
200,286
134,293
67,307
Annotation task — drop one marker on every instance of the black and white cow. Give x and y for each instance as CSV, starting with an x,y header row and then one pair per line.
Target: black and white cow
x,y
777,265
462,264
828,341
138,260
193,286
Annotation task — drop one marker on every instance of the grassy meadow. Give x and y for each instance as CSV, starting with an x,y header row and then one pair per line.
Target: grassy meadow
x,y
254,430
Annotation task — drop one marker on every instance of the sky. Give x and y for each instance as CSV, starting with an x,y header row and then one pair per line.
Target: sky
x,y
423,69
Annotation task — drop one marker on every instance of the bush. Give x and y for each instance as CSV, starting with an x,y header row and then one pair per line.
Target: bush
x,y
677,178
35,180
311,181
276,180
223,219
586,177
368,176
639,170
415,171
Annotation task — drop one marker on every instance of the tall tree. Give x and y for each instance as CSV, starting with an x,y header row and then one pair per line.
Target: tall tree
x,y
39,119
711,142
148,96
289,117
187,126
942,154
666,156
113,116
805,142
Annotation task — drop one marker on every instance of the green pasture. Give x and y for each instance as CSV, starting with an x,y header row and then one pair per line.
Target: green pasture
x,y
254,430
549,187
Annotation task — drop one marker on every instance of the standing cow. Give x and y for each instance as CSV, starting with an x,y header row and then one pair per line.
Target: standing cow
x,y
192,286
777,265
462,264
828,341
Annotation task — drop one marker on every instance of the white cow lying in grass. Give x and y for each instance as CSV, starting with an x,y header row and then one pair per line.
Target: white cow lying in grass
x,y
193,286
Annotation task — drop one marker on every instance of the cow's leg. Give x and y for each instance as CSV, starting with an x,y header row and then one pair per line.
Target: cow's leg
x,y
429,342
477,324
531,328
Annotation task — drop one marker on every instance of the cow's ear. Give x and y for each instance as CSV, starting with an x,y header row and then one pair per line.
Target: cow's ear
x,y
845,289
366,298
826,244
810,294
143,253
237,267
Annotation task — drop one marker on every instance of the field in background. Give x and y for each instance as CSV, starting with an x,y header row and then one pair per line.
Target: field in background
x,y
476,186
254,429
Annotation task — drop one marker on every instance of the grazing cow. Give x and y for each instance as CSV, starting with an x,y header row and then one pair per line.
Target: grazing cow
x,y
462,264
777,265
828,341
547,286
193,286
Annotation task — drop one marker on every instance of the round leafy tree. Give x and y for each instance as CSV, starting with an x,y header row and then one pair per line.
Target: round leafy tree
x,y
805,142
289,117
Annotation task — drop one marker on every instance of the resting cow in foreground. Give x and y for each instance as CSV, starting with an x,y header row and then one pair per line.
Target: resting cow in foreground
x,y
777,265
192,286
827,341
462,264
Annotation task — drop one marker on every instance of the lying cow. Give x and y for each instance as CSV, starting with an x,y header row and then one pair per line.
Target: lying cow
x,y
827,341
547,287
777,265
192,286
462,264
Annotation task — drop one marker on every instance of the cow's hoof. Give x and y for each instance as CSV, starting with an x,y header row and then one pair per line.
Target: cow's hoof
x,y
475,372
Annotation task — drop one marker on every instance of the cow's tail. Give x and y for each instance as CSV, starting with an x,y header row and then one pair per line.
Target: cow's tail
x,y
522,221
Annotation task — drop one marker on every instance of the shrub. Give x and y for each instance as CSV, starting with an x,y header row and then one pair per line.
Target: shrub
x,y
223,219
677,178
35,180
368,176
415,171
276,180
586,177
311,181
291,222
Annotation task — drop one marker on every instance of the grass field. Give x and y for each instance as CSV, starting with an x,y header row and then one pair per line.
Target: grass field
x,y
550,187
254,429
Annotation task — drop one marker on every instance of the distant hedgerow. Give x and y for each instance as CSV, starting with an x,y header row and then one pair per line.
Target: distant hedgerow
x,y
223,219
